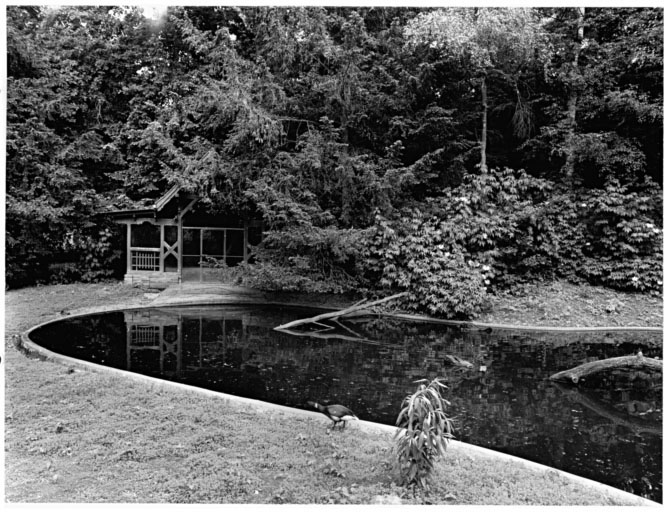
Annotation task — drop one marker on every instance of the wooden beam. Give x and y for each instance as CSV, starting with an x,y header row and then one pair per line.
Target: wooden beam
x,y
188,207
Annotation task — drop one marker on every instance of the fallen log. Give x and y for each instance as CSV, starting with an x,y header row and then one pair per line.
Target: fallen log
x,y
336,314
637,362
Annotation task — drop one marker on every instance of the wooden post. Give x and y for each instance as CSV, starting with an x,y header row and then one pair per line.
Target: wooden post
x,y
246,242
128,247
200,255
128,344
161,249
180,246
179,346
225,232
161,348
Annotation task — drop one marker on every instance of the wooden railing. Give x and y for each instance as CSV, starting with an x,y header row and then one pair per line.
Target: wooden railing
x,y
145,259
145,336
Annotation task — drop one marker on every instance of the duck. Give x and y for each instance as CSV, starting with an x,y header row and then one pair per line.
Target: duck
x,y
337,413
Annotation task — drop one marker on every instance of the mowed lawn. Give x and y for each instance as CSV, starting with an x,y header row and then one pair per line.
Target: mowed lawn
x,y
81,436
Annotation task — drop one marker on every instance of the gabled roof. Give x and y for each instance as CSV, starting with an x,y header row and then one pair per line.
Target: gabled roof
x,y
158,205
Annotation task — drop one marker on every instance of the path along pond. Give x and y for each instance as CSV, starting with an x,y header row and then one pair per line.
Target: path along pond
x,y
609,430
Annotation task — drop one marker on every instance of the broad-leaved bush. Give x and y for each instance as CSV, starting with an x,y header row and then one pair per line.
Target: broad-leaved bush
x,y
412,253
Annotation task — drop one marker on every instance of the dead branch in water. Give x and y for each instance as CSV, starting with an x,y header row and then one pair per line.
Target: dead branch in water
x,y
336,314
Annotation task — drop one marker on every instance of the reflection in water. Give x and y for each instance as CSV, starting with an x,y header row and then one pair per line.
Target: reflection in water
x,y
497,380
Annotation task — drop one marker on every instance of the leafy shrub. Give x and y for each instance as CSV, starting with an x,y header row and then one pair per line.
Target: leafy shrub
x,y
522,228
610,237
624,237
412,254
64,273
305,259
488,215
45,247
34,231
99,253
218,270
296,278
424,432
602,157
451,253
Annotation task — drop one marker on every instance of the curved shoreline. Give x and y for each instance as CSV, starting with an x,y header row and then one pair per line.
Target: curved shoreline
x,y
203,300
26,345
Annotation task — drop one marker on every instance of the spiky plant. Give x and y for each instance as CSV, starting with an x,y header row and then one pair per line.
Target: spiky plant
x,y
424,432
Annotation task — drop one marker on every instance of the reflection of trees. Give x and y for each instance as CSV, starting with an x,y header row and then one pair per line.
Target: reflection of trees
x,y
636,424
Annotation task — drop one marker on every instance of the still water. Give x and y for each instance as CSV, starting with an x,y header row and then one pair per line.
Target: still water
x,y
607,431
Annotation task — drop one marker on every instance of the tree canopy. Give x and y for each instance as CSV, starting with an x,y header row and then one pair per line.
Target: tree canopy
x,y
377,144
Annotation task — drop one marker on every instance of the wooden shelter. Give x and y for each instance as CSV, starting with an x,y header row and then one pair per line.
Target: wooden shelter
x,y
176,239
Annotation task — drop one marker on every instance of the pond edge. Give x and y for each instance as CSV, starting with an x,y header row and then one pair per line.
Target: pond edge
x,y
407,316
29,348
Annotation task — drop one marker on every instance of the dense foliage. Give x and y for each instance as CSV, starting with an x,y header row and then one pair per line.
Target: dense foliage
x,y
377,147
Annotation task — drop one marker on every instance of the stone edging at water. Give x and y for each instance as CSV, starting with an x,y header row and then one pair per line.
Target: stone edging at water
x,y
29,347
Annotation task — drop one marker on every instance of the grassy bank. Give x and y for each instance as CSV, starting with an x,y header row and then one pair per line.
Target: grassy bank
x,y
566,305
78,436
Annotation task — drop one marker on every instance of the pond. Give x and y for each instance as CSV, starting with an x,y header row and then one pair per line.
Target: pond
x,y
504,402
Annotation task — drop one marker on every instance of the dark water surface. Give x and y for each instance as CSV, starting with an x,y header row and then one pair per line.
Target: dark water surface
x,y
504,402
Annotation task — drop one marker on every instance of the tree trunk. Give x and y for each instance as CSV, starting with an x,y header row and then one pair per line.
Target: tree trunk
x,y
573,96
336,314
637,362
485,107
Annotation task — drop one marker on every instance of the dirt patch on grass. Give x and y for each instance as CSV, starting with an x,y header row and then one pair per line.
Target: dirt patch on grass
x,y
79,436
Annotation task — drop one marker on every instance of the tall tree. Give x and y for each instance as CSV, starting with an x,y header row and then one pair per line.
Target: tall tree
x,y
68,88
498,43
576,85
600,110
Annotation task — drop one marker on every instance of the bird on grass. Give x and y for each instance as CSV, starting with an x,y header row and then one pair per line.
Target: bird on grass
x,y
337,413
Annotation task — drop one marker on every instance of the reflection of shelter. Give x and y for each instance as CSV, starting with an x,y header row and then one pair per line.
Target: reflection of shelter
x,y
154,339
174,341
175,239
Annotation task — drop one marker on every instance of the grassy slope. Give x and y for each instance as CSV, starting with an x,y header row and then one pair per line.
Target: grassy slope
x,y
566,305
75,436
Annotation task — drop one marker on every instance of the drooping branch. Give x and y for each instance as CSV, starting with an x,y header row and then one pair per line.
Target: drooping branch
x,y
638,362
336,314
